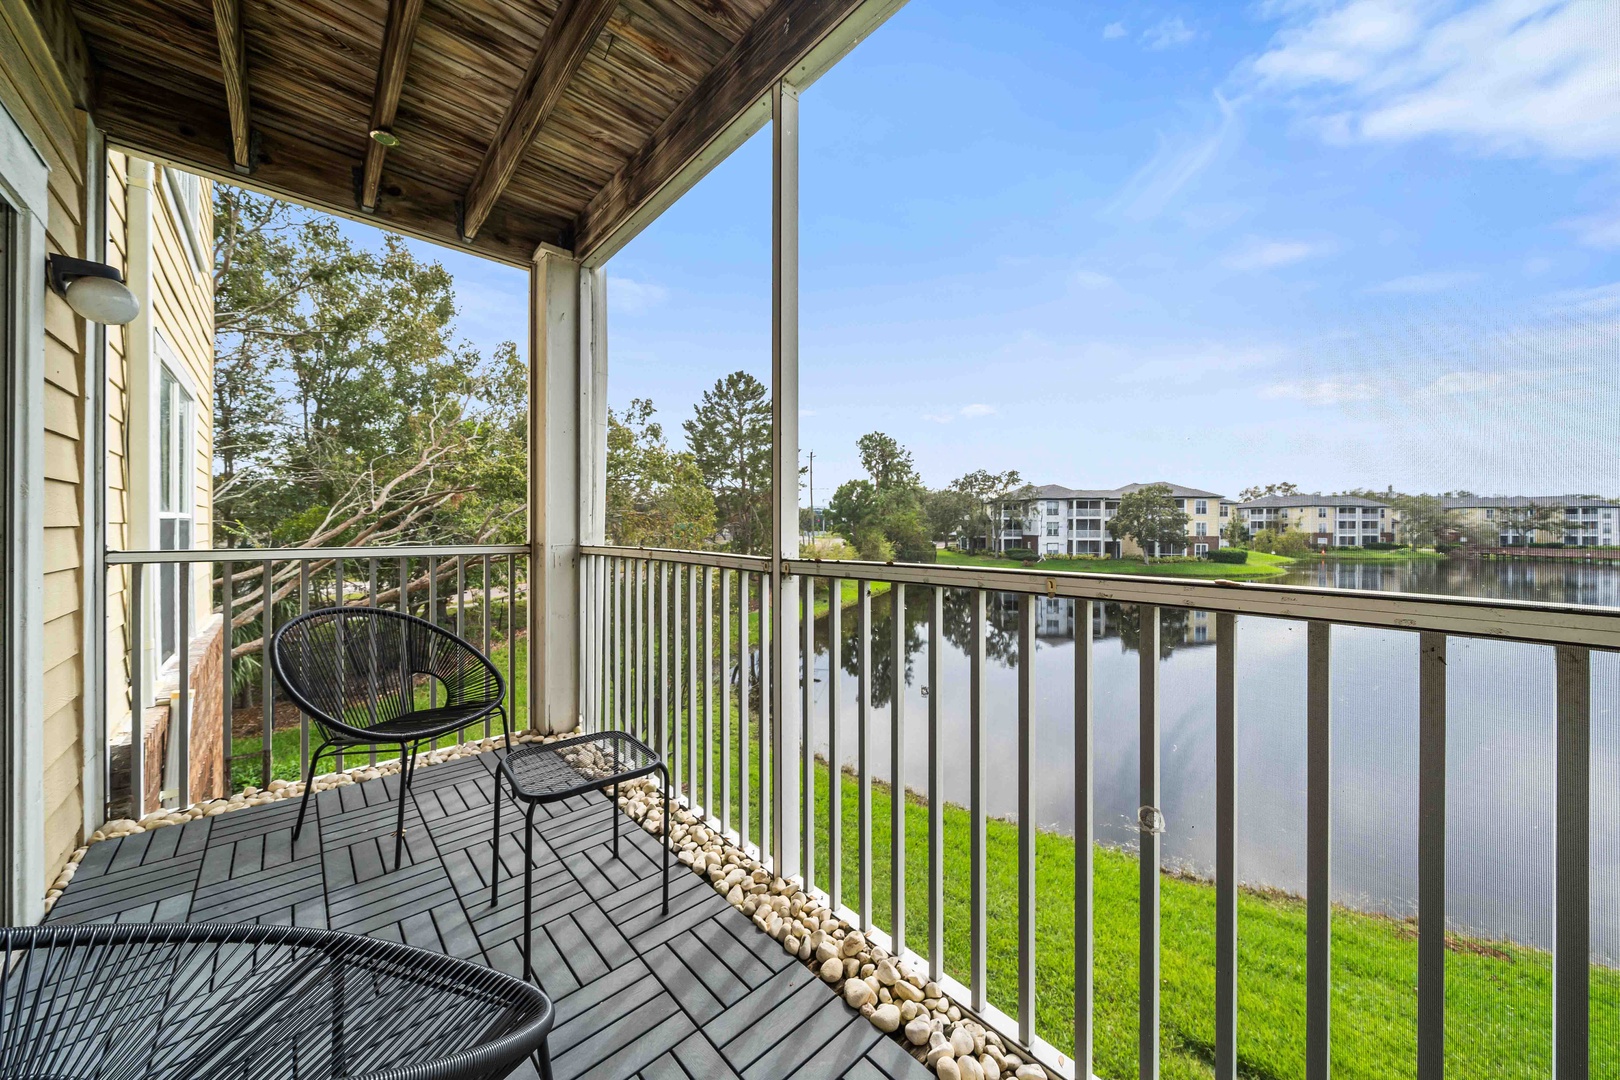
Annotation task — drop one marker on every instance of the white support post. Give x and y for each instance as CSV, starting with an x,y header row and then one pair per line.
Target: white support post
x,y
785,475
555,511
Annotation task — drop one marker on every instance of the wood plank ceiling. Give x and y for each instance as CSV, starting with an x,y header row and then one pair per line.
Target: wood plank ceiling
x,y
492,124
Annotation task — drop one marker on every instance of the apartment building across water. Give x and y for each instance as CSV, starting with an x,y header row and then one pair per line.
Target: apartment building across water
x,y
1326,520
1572,520
1070,521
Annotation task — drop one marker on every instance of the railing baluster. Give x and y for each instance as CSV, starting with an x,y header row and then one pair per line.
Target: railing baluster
x,y
1149,843
1318,838
691,686
835,759
897,765
807,756
766,745
1084,847
708,691
1027,605
1431,999
182,726
337,602
662,644
863,739
678,697
745,659
511,641
137,698
227,674
977,981
725,700
484,616
633,664
371,599
649,640
1225,846
433,617
936,788
267,695
303,717
1572,928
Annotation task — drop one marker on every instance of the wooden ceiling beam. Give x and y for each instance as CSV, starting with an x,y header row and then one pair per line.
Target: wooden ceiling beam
x,y
567,41
398,37
783,36
233,63
194,135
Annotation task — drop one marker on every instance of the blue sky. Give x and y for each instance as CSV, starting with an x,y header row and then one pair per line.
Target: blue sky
x,y
1342,244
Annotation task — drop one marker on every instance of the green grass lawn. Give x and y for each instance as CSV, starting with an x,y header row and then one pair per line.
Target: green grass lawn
x,y
1499,996
1260,565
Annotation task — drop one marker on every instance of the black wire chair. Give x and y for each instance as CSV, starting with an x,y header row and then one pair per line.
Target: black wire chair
x,y
366,676
199,1001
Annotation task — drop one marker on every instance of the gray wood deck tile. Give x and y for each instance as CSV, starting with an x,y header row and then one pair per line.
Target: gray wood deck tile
x,y
701,993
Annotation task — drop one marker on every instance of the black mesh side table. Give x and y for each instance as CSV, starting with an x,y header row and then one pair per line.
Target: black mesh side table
x,y
550,772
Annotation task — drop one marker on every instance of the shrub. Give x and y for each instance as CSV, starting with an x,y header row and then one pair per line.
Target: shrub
x,y
1381,545
1229,555
1022,554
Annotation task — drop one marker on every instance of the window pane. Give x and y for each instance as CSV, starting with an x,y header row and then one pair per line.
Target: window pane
x,y
166,426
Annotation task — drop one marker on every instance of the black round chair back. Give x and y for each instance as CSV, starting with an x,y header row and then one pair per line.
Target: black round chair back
x,y
165,1001
367,674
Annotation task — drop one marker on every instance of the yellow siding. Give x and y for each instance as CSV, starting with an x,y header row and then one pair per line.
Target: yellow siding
x,y
41,99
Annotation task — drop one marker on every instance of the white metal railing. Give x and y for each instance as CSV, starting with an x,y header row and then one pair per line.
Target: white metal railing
x,y
667,653
474,589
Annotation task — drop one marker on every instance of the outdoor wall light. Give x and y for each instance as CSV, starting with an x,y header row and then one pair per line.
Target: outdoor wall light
x,y
385,137
94,290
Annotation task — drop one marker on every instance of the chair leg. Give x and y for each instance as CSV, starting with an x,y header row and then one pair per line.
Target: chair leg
x,y
542,1060
309,782
506,727
407,766
615,798
528,893
495,847
667,823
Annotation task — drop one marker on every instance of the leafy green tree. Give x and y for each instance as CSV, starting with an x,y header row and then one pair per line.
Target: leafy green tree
x,y
1249,494
729,436
950,513
1425,521
883,516
1149,516
987,490
656,497
1529,519
1236,534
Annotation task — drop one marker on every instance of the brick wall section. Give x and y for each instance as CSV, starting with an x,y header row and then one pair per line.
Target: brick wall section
x,y
208,774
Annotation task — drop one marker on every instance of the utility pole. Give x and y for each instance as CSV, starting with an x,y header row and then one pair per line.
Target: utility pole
x,y
812,494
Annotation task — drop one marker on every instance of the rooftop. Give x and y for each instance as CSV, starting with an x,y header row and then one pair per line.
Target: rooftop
x,y
1317,499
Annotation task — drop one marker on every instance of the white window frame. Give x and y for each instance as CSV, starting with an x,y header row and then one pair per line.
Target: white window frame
x,y
182,511
1201,506
24,179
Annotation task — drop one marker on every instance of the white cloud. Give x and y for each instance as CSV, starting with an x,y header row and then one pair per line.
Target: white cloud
x,y
1168,34
1269,254
1599,230
1433,282
1113,30
1504,76
1090,279
977,409
1321,391
630,297
1177,162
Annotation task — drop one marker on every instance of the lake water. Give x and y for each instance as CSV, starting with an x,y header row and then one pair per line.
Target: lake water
x,y
1500,740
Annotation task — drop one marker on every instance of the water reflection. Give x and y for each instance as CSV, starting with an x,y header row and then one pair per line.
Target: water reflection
x,y
1500,756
